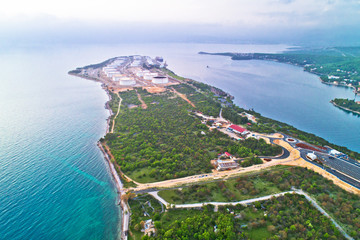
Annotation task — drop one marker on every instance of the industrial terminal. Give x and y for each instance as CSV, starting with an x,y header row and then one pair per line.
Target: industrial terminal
x,y
128,72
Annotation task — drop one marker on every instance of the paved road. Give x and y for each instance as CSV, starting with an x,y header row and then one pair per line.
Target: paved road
x,y
204,177
285,154
346,170
348,179
160,199
125,221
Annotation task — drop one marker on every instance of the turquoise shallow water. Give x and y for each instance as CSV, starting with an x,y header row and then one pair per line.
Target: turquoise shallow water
x,y
54,182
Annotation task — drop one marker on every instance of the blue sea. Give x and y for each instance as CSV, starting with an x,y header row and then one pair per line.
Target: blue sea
x,y
54,181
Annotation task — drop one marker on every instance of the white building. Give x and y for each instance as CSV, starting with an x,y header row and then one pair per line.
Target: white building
x,y
311,156
226,165
334,152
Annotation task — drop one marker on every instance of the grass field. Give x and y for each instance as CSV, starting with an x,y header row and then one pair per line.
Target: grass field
x,y
141,176
259,233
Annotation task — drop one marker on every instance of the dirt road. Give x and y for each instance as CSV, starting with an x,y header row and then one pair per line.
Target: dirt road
x,y
117,113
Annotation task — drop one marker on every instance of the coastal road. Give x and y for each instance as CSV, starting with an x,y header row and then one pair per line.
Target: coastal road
x,y
290,154
117,113
125,221
205,177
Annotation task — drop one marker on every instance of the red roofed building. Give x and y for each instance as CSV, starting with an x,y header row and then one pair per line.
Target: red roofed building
x,y
227,154
237,129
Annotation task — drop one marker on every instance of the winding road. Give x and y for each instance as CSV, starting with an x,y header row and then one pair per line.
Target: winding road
x,y
248,201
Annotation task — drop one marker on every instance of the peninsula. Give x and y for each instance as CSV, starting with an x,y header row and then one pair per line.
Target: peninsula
x,y
339,66
347,105
175,144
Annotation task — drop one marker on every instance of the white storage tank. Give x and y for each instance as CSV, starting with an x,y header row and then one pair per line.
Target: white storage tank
x,y
112,73
117,77
126,81
160,79
149,76
142,73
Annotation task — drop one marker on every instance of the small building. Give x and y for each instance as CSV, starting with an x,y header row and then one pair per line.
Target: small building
x,y
249,116
225,161
311,156
226,165
224,156
334,152
149,227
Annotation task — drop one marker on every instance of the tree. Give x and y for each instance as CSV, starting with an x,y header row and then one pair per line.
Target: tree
x,y
137,227
129,195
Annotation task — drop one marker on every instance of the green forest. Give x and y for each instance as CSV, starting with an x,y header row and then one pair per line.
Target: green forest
x,y
167,140
164,141
287,217
346,103
340,204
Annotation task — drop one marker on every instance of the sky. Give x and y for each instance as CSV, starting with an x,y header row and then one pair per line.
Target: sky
x,y
184,20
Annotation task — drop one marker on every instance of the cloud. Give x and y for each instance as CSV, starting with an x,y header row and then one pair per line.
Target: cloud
x,y
226,12
193,20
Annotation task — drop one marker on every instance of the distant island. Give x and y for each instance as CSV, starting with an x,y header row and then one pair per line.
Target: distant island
x,y
339,66
189,163
347,105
